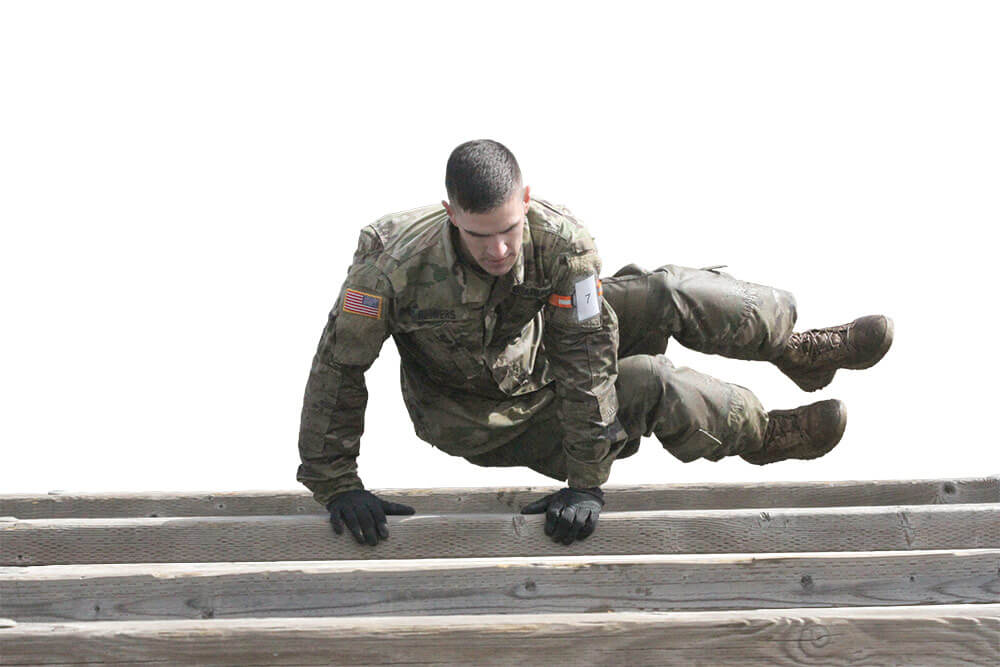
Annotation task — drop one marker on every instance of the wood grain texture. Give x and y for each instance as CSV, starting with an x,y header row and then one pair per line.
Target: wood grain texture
x,y
945,635
503,500
497,585
198,539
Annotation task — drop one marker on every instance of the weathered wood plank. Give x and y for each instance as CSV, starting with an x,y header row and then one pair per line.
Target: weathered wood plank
x,y
497,585
200,539
490,500
945,635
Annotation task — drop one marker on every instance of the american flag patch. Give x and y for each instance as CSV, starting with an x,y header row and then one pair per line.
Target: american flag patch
x,y
361,303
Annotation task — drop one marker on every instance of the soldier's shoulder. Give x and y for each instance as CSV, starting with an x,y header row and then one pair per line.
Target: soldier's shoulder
x,y
403,234
554,226
407,248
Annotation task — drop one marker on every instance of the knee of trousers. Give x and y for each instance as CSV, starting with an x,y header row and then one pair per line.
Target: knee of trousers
x,y
770,315
692,415
712,312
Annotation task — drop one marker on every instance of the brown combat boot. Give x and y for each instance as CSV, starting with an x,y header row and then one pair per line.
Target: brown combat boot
x,y
806,432
811,358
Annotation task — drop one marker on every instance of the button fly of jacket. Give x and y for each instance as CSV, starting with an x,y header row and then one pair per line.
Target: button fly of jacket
x,y
489,325
464,339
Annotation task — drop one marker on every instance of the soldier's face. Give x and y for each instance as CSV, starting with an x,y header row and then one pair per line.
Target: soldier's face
x,y
493,238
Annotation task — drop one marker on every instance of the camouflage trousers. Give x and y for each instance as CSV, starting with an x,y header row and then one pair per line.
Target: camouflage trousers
x,y
691,414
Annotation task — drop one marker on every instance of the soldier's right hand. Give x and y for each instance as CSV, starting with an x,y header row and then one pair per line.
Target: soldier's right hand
x,y
364,513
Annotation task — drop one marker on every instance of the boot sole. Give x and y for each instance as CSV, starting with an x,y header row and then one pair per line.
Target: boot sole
x,y
815,385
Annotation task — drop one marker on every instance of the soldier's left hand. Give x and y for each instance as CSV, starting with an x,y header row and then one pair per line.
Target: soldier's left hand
x,y
569,513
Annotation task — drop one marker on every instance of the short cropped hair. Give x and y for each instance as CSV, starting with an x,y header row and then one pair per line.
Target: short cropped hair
x,y
481,175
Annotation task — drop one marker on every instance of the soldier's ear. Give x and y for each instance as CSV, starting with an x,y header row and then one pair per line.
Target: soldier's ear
x,y
527,197
447,209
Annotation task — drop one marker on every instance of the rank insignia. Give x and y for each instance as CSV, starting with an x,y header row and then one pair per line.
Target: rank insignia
x,y
362,303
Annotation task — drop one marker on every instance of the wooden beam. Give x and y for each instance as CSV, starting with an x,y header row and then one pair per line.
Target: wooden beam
x,y
497,585
501,500
946,635
199,539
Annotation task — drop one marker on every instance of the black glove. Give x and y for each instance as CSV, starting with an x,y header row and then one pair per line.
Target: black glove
x,y
364,513
569,513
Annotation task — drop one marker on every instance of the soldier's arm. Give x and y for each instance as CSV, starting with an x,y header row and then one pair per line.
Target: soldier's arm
x,y
581,343
335,398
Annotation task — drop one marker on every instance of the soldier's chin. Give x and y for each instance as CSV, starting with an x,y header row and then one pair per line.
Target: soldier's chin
x,y
497,268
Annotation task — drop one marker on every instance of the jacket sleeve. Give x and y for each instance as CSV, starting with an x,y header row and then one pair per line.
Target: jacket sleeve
x,y
581,344
333,410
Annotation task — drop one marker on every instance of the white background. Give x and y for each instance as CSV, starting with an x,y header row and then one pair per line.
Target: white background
x,y
182,184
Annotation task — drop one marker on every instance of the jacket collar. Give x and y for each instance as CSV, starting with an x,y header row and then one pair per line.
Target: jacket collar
x,y
476,284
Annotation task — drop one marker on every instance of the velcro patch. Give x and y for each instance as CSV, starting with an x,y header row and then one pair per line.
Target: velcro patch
x,y
588,303
362,303
561,301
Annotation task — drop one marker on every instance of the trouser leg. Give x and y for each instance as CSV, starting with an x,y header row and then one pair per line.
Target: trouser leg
x,y
705,310
692,414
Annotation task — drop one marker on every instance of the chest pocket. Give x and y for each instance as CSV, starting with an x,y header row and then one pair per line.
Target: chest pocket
x,y
517,310
451,346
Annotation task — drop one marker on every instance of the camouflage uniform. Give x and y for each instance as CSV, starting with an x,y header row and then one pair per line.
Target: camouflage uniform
x,y
518,369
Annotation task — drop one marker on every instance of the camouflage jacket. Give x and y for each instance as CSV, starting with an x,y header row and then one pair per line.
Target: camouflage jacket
x,y
480,355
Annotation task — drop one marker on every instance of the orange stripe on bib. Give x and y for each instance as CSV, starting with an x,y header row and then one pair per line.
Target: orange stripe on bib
x,y
560,301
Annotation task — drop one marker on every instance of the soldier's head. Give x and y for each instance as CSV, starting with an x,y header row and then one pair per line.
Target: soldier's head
x,y
488,203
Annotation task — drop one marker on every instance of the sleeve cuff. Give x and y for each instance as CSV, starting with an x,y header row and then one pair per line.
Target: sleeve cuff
x,y
324,493
583,475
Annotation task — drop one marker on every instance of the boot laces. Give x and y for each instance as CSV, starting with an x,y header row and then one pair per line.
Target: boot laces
x,y
784,431
817,342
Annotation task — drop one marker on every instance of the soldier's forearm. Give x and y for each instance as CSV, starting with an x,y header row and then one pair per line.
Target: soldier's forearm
x,y
585,374
588,463
331,427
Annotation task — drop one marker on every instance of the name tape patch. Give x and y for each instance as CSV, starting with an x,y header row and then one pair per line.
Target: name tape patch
x,y
362,303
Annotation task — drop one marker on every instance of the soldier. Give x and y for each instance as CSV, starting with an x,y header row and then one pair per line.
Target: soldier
x,y
515,352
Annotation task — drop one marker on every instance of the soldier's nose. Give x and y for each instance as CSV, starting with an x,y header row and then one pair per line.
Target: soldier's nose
x,y
497,250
